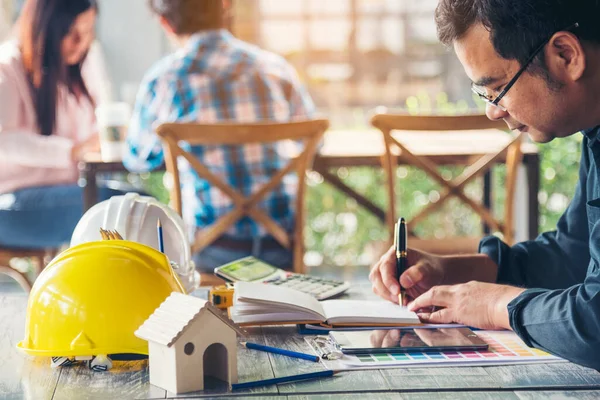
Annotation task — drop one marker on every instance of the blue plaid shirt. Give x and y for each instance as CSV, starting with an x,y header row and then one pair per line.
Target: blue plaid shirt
x,y
217,78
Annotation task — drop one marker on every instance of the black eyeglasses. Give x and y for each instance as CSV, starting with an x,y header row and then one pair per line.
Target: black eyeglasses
x,y
479,91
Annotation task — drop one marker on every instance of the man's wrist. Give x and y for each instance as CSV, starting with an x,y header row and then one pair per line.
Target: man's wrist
x,y
501,317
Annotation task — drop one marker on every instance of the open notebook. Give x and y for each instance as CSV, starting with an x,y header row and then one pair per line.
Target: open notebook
x,y
260,304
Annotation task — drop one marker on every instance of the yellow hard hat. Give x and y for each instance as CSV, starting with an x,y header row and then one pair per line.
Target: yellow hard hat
x,y
92,297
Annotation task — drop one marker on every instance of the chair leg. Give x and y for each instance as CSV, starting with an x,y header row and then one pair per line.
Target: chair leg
x,y
20,277
298,260
38,264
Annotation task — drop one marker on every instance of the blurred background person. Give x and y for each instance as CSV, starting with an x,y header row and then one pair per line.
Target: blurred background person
x,y
214,78
47,122
5,22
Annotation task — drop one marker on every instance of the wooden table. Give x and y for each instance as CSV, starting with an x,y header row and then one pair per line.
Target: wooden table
x,y
365,148
22,376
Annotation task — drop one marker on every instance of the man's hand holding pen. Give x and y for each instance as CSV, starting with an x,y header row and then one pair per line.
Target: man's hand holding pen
x,y
441,282
424,271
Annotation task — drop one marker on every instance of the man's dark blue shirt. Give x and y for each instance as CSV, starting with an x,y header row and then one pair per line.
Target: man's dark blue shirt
x,y
560,310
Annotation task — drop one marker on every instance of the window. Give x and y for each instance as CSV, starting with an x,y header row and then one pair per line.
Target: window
x,y
189,348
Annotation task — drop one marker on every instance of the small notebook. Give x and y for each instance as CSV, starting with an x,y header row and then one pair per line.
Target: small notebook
x,y
260,304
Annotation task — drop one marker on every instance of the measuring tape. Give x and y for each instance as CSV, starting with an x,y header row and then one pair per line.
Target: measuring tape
x,y
221,296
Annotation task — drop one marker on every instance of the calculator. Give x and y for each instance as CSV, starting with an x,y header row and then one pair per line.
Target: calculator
x,y
251,269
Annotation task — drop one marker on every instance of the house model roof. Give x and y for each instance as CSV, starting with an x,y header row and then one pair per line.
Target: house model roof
x,y
175,315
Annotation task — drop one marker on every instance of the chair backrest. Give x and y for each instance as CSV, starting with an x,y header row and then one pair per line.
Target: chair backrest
x,y
508,151
40,258
309,132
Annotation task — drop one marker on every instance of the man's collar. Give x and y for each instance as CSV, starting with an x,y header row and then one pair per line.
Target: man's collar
x,y
209,36
592,135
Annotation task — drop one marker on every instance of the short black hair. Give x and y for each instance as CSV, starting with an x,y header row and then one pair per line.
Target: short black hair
x,y
517,27
187,17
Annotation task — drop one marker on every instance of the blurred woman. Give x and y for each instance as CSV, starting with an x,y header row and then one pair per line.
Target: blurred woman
x,y
47,122
4,22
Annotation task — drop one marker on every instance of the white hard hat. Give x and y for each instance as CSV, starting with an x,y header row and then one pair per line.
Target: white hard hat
x,y
135,218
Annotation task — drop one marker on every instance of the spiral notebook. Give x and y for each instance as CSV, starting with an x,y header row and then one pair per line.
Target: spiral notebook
x,y
260,304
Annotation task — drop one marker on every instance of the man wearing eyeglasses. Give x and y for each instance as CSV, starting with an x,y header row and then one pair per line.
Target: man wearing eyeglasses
x,y
537,65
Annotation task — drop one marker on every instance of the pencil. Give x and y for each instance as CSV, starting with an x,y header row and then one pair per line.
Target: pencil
x,y
401,254
161,244
284,379
104,234
283,352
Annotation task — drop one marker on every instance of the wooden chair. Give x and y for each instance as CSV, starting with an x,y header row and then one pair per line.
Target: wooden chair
x,y
510,152
310,132
40,257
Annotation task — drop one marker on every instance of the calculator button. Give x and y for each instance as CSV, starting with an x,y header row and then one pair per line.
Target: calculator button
x,y
301,286
311,287
320,288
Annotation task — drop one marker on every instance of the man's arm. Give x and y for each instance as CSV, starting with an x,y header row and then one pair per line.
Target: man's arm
x,y
144,149
555,260
301,104
563,315
563,322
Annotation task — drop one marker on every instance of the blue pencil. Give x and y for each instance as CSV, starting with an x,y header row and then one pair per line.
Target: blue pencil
x,y
284,379
161,244
283,352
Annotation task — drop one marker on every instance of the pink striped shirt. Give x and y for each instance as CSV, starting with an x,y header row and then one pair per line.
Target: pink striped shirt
x,y
26,157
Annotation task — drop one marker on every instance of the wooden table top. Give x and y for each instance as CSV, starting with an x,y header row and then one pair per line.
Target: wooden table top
x,y
22,376
338,143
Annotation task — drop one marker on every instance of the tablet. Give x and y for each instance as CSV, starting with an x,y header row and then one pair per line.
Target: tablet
x,y
407,340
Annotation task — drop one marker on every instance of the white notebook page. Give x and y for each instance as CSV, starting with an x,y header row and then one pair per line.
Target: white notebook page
x,y
272,296
363,311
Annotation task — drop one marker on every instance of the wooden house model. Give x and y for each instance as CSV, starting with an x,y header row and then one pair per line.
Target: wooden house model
x,y
189,338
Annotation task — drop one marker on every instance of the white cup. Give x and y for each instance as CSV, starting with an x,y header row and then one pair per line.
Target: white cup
x,y
113,119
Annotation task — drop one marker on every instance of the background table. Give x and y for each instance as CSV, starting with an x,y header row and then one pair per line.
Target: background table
x,y
448,148
365,148
22,376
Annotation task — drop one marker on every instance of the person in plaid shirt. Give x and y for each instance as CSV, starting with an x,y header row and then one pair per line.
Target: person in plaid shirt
x,y
215,78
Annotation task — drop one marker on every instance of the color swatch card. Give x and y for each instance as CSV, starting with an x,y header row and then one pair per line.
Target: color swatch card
x,y
505,347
